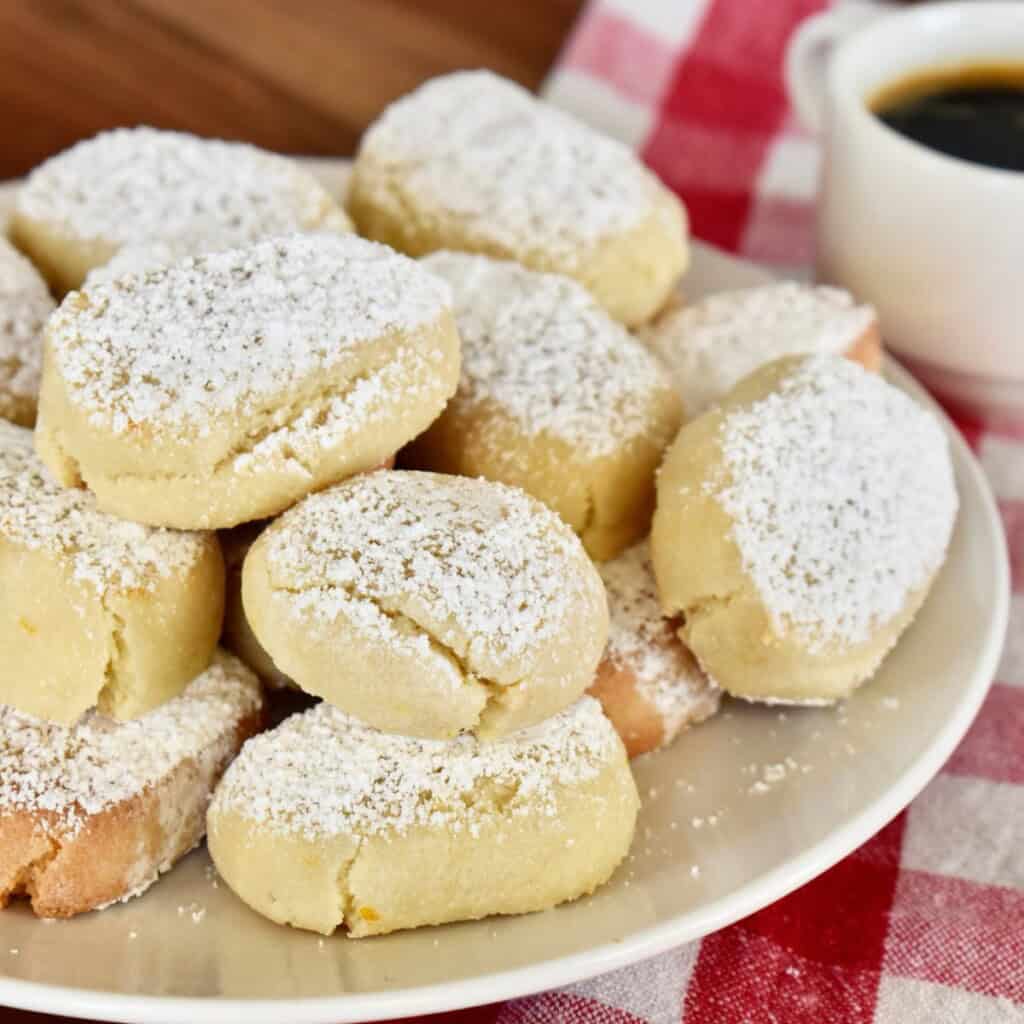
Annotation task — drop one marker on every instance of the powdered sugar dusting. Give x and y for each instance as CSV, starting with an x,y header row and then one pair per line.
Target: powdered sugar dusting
x,y
643,641
142,257
541,348
369,400
516,175
140,184
713,344
323,774
79,770
222,333
25,303
496,574
103,551
841,492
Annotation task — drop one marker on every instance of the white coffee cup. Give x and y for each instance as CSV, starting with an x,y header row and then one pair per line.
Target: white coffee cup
x,y
935,243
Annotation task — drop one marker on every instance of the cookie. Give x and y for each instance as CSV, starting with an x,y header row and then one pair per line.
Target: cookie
x,y
95,610
648,683
95,812
799,526
428,605
713,344
554,397
325,823
472,161
25,303
140,185
225,387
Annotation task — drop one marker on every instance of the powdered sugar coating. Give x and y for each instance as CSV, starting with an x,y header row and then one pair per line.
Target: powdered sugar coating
x,y
642,641
221,334
518,176
139,184
25,303
713,344
322,774
75,771
104,552
142,257
841,492
492,574
541,348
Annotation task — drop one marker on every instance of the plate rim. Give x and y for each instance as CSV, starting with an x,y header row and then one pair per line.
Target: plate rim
x,y
609,956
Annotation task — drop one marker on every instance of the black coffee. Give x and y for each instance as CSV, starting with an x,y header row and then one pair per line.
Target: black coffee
x,y
974,113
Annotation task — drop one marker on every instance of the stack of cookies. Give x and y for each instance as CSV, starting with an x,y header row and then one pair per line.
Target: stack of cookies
x,y
487,631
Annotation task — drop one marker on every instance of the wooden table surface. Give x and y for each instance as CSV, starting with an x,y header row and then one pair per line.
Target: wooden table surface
x,y
299,76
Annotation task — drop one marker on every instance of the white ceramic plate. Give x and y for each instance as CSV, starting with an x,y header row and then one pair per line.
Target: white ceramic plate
x,y
738,813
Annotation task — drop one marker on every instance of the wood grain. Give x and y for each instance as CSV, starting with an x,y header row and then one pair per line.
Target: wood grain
x,y
299,76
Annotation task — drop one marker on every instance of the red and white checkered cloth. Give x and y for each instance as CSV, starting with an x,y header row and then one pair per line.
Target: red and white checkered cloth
x,y
925,923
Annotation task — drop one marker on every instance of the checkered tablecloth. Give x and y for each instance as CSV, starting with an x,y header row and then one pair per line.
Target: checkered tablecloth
x,y
925,923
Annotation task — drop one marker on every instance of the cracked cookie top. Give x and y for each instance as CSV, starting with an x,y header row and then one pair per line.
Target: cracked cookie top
x,y
540,348
25,303
72,772
140,184
224,333
422,559
711,345
841,493
479,151
643,641
323,773
103,552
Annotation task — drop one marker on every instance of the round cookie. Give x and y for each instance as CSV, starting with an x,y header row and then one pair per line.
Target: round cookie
x,y
799,526
140,185
25,303
95,812
326,823
95,610
648,683
427,604
713,344
554,397
226,387
472,161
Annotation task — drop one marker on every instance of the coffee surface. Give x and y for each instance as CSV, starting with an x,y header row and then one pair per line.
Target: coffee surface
x,y
973,112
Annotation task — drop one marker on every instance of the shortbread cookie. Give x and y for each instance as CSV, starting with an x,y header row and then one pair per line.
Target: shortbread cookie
x,y
648,682
799,526
225,387
137,185
472,161
25,304
95,812
326,823
95,610
238,636
713,344
554,397
426,604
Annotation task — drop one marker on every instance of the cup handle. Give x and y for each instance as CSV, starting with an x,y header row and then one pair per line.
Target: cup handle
x,y
809,52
